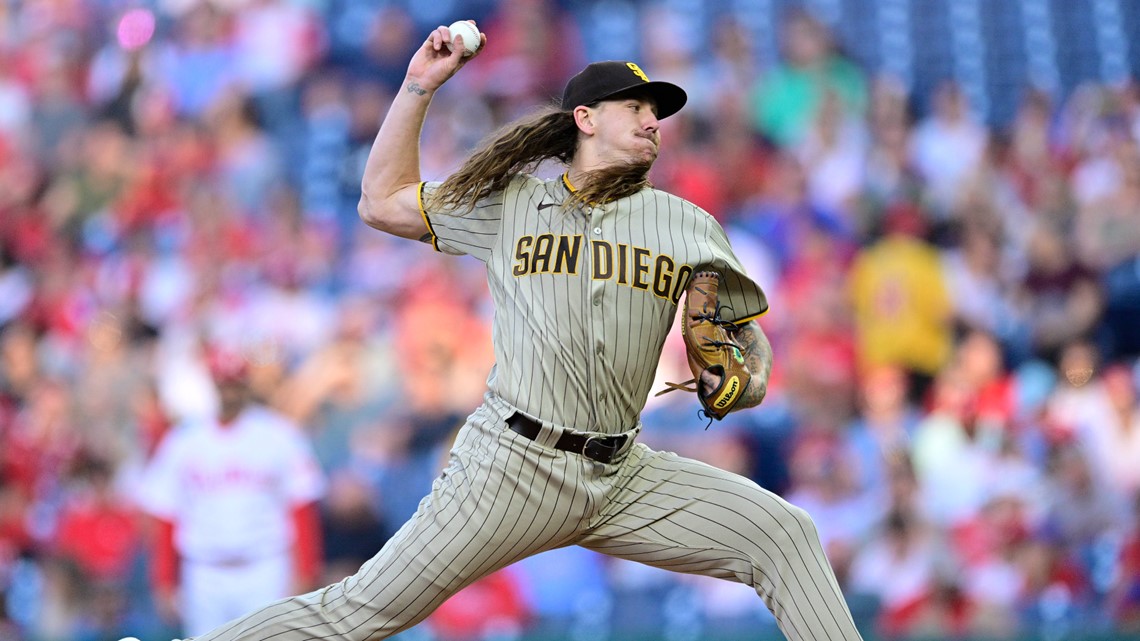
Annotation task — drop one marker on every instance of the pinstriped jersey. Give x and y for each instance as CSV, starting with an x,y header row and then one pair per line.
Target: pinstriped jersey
x,y
585,296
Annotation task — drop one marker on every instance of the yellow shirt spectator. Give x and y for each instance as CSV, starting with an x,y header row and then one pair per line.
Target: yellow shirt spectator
x,y
902,309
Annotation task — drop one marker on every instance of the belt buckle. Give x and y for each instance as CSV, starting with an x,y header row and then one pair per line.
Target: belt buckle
x,y
586,446
609,450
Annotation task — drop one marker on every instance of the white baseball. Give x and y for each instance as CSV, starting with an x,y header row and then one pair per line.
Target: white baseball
x,y
471,39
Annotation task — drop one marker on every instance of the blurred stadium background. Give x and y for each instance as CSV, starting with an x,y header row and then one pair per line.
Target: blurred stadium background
x,y
942,198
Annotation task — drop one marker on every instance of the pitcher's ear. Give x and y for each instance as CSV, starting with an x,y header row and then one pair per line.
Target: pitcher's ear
x,y
584,118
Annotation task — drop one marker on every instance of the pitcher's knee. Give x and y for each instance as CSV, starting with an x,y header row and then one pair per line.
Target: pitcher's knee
x,y
786,527
781,545
801,523
353,608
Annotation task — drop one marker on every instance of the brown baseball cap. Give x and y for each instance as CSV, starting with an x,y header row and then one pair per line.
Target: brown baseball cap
x,y
602,80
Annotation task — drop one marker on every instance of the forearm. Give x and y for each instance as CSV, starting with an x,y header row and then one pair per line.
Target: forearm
x,y
394,160
757,353
389,194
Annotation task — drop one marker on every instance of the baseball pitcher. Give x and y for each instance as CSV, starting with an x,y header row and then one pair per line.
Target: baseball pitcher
x,y
587,272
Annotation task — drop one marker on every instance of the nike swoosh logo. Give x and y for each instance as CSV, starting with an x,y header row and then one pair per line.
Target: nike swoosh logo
x,y
542,206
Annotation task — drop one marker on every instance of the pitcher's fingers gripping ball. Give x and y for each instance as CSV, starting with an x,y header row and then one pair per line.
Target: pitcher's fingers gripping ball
x,y
719,373
468,35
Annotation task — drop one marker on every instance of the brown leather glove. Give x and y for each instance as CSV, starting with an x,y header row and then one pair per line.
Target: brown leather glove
x,y
711,349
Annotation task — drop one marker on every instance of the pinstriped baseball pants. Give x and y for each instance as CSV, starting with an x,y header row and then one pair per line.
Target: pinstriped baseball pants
x,y
503,497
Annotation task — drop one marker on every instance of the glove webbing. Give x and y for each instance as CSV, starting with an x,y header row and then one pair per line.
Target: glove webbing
x,y
715,319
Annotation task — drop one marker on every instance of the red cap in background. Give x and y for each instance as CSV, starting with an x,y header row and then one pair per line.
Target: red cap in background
x,y
226,364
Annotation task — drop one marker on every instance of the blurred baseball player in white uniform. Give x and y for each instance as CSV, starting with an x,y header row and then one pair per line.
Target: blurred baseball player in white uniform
x,y
235,501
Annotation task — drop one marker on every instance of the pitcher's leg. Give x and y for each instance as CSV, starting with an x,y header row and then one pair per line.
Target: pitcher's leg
x,y
687,516
497,502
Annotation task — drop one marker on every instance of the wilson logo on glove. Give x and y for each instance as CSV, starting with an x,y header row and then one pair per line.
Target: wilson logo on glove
x,y
729,396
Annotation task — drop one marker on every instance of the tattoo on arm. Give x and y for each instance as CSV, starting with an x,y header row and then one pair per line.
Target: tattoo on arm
x,y
758,357
426,238
414,87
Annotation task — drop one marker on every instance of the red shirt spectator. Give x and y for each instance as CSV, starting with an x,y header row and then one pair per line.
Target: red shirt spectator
x,y
96,528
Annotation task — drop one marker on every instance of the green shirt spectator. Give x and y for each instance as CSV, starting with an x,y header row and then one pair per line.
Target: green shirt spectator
x,y
787,100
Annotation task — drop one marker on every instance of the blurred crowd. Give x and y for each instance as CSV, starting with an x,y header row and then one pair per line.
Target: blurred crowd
x,y
955,306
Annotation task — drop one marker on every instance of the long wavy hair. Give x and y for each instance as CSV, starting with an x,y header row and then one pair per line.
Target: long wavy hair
x,y
520,147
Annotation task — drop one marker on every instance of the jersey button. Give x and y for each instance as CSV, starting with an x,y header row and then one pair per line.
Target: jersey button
x,y
597,301
601,351
597,230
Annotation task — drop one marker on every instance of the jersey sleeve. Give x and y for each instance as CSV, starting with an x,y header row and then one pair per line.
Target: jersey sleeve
x,y
741,299
471,232
158,494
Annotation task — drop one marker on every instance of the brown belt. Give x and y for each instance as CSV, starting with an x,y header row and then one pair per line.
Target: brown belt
x,y
602,449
